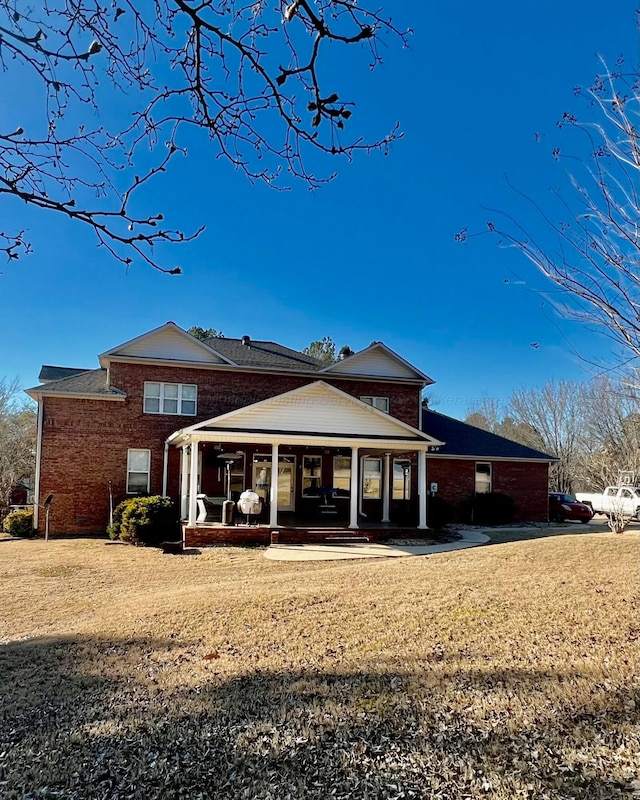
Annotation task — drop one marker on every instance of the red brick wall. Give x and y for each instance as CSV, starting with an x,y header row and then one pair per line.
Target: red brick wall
x,y
85,442
528,484
198,537
525,482
220,392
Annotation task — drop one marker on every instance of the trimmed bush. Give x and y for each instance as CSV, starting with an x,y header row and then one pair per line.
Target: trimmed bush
x,y
148,520
114,529
492,508
19,523
439,513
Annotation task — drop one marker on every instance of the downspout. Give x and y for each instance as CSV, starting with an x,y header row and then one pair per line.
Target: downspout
x,y
165,467
36,481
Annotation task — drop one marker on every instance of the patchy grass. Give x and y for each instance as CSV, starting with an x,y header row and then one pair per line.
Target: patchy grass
x,y
498,672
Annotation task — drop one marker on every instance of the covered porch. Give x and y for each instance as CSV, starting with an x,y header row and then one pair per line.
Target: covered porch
x,y
319,460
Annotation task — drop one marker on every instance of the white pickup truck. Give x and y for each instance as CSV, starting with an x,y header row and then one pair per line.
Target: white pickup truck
x,y
614,500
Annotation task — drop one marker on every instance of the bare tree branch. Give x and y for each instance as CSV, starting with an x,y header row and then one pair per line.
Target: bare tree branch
x,y
246,74
593,252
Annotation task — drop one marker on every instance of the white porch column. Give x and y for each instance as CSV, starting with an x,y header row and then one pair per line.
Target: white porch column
x,y
422,489
353,502
193,484
184,488
385,488
273,496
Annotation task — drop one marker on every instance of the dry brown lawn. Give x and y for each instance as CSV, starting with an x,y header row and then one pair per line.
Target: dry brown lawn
x,y
500,672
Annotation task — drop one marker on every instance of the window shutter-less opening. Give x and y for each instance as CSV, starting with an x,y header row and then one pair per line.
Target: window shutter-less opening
x,y
483,477
170,398
138,471
381,403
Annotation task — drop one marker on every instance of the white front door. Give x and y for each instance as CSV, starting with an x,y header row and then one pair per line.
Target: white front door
x,y
286,483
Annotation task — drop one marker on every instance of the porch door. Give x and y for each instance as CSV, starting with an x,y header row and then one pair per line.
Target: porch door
x,y
262,478
286,483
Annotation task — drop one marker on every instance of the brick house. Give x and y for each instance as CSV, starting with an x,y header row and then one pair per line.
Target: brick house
x,y
351,440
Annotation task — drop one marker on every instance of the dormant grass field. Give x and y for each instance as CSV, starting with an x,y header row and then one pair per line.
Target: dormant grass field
x,y
507,671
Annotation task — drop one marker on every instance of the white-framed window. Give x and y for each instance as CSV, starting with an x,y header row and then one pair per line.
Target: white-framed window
x,y
483,477
311,475
372,478
381,403
342,475
170,398
138,471
401,479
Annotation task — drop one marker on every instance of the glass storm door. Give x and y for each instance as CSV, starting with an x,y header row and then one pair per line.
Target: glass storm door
x,y
286,485
262,479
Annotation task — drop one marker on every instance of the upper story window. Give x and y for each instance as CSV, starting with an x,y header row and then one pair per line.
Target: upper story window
x,y
381,403
170,398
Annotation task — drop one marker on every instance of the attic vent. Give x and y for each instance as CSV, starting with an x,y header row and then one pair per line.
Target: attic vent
x,y
246,341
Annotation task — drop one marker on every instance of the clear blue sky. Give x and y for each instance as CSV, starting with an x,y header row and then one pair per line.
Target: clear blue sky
x,y
372,255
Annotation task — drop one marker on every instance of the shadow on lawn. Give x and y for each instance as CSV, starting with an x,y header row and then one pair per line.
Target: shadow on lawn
x,y
77,722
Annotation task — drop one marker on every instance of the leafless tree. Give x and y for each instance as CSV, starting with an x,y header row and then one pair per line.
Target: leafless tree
x,y
252,76
497,417
611,433
592,427
586,238
17,440
549,419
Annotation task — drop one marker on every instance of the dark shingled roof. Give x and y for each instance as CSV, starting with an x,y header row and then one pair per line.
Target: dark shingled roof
x,y
462,439
92,381
262,354
49,373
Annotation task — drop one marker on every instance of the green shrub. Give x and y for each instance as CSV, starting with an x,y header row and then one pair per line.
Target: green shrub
x,y
148,520
19,523
492,508
113,529
439,513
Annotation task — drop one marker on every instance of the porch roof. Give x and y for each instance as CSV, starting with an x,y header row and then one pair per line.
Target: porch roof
x,y
317,413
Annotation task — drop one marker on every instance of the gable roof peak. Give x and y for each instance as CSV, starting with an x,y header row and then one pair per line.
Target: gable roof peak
x,y
361,357
194,343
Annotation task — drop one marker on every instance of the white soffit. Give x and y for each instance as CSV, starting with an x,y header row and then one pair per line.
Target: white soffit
x,y
168,343
317,408
378,361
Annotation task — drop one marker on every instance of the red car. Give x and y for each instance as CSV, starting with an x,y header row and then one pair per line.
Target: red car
x,y
565,506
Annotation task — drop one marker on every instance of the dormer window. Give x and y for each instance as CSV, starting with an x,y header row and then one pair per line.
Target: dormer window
x,y
381,403
170,398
